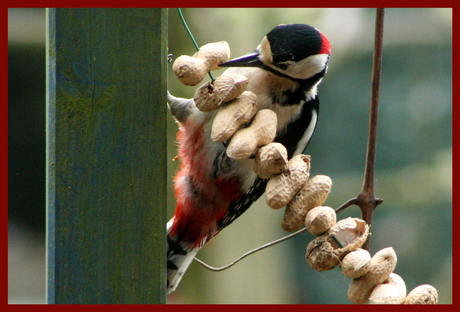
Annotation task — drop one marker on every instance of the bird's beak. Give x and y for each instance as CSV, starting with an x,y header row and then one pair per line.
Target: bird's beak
x,y
249,60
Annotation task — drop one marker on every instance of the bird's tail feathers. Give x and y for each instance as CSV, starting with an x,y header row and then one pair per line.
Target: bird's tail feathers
x,y
179,256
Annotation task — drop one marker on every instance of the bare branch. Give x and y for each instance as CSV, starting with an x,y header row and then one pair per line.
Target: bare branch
x,y
352,201
366,199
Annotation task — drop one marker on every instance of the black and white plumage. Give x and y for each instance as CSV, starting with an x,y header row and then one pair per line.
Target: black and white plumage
x,y
284,72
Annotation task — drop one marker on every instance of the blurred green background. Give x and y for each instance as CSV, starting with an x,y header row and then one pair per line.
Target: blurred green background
x,y
414,153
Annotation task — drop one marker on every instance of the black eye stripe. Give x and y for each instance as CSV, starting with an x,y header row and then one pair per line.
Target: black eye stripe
x,y
282,57
282,66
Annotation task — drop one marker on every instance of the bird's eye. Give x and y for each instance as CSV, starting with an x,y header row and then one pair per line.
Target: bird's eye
x,y
283,66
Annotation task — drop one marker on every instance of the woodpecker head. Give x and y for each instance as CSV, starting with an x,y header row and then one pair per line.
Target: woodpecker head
x,y
295,51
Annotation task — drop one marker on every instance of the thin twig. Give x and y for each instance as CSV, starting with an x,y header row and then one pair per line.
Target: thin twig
x,y
282,239
352,201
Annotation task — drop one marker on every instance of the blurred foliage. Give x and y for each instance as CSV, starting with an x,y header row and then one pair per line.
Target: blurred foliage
x,y
414,152
26,118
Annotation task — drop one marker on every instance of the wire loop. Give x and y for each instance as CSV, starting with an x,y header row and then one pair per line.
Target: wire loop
x,y
191,36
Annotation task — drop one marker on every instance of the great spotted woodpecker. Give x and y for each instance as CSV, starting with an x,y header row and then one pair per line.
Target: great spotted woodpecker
x,y
211,189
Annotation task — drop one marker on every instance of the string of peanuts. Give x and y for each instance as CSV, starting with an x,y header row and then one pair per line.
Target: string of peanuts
x,y
337,242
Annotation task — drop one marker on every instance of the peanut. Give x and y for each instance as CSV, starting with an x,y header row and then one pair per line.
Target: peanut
x,y
423,294
262,131
356,263
382,265
190,70
312,194
233,115
391,291
270,160
212,94
281,189
320,219
324,252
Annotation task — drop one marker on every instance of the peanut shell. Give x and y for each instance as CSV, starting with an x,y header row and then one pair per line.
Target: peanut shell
x,y
189,70
320,219
271,160
281,189
391,291
382,265
212,94
423,294
233,115
214,53
356,263
314,193
262,131
324,252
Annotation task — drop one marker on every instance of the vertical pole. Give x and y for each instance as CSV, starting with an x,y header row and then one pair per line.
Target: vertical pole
x,y
106,155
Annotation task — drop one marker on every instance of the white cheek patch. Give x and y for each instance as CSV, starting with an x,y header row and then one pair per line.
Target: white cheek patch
x,y
306,68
